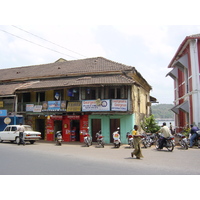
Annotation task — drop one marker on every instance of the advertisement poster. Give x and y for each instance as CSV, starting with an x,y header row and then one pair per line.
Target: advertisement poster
x,y
91,105
119,105
53,105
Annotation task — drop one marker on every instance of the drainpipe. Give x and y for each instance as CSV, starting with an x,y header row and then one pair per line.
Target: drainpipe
x,y
15,110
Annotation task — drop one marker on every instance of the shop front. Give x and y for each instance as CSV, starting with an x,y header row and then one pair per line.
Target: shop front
x,y
108,123
72,126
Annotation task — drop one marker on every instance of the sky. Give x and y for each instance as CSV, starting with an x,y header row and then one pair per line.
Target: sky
x,y
144,34
86,32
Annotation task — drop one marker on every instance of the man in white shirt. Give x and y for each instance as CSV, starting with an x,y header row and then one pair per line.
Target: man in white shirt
x,y
165,133
21,134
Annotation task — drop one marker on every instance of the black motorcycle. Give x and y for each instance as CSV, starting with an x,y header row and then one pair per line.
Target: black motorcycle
x,y
169,143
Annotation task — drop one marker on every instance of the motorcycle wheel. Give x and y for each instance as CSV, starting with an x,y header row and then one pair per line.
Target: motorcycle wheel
x,y
198,142
131,145
157,144
145,144
171,148
149,143
185,145
102,144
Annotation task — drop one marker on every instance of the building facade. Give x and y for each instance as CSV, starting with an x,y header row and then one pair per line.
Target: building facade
x,y
186,75
76,96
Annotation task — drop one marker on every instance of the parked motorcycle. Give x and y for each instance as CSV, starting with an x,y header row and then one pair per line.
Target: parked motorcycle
x,y
129,137
169,143
100,140
183,141
196,141
116,138
146,140
58,138
87,139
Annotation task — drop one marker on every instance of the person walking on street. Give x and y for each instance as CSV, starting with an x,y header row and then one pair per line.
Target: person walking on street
x,y
21,134
136,140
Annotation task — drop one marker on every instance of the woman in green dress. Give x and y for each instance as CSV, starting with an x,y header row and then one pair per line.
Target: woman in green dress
x,y
136,140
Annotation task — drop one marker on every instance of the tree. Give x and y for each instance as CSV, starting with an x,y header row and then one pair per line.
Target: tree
x,y
149,124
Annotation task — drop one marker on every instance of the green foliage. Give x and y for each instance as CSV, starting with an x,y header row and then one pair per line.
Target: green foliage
x,y
162,111
149,124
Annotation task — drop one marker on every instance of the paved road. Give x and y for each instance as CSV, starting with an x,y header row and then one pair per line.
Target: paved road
x,y
75,159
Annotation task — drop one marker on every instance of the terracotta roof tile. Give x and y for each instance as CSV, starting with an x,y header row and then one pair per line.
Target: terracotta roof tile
x,y
83,66
83,81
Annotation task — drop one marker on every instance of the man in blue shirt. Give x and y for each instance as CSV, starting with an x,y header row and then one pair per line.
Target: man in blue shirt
x,y
193,131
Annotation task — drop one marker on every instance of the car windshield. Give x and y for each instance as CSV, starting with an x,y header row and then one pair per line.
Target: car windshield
x,y
28,128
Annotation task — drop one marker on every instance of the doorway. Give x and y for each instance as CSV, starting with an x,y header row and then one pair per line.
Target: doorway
x,y
40,126
75,130
96,127
57,126
114,124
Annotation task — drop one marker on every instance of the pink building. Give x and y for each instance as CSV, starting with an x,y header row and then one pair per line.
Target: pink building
x,y
186,75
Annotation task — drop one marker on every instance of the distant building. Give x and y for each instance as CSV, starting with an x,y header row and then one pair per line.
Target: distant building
x,y
186,75
72,96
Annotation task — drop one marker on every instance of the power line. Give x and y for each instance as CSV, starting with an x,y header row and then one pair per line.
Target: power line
x,y
48,41
36,43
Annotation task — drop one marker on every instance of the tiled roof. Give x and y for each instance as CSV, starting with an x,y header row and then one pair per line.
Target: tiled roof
x,y
82,66
83,81
8,89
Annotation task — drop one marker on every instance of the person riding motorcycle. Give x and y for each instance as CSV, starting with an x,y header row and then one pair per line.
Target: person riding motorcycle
x,y
165,133
194,134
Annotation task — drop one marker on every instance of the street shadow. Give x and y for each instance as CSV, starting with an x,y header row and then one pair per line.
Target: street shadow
x,y
98,146
128,147
181,149
132,158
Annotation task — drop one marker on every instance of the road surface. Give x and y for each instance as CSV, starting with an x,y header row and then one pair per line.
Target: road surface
x,y
75,159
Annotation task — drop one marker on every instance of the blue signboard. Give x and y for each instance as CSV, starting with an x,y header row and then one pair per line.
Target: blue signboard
x,y
3,113
54,105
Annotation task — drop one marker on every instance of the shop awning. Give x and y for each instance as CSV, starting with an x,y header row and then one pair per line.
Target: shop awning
x,y
173,73
184,106
182,62
175,109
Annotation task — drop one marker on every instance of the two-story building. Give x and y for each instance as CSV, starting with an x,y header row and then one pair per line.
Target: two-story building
x,y
186,75
76,96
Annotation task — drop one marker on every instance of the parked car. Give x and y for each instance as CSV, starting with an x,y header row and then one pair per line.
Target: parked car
x,y
9,134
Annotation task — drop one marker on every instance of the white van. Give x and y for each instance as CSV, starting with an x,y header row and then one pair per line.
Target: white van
x,y
9,134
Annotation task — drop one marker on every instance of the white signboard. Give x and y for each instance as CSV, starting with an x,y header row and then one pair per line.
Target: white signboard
x,y
37,108
29,107
119,105
91,105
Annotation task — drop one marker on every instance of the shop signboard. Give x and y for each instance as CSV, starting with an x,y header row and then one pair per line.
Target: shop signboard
x,y
37,108
29,107
93,105
119,105
3,113
74,106
1,104
53,105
